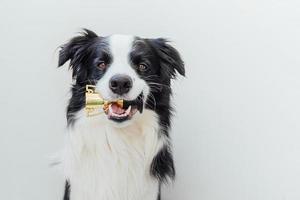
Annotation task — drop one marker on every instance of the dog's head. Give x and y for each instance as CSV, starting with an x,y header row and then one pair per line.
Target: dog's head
x,y
121,67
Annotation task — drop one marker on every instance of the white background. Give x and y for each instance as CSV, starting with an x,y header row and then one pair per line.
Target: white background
x,y
236,133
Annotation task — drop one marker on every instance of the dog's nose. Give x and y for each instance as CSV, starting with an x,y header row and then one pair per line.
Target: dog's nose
x,y
120,84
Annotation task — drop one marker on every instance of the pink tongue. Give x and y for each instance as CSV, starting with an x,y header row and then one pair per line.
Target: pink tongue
x,y
116,109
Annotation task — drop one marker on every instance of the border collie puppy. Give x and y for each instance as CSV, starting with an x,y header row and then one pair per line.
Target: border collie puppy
x,y
123,154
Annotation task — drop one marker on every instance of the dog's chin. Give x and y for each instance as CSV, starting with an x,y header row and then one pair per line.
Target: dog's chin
x,y
117,123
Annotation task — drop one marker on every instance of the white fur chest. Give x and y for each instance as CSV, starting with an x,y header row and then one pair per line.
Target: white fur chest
x,y
103,162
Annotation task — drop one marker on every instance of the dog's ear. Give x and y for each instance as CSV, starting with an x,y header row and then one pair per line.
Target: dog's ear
x,y
74,50
170,58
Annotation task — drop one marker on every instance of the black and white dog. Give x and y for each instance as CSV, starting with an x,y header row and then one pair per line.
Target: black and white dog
x,y
123,154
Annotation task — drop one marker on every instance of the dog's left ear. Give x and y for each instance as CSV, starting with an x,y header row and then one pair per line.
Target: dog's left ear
x,y
170,58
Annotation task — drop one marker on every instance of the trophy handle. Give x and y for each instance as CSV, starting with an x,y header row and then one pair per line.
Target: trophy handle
x,y
90,88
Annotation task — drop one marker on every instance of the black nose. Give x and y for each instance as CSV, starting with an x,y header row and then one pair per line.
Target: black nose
x,y
120,84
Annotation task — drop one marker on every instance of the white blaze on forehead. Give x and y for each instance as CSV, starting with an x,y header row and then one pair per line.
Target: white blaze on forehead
x,y
120,47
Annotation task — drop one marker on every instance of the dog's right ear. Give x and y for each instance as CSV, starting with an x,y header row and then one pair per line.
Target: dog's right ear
x,y
74,49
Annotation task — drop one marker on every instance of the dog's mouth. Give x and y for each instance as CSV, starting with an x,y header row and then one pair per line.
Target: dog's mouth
x,y
119,114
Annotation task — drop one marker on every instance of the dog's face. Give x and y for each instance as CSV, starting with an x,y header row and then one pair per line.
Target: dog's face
x,y
122,67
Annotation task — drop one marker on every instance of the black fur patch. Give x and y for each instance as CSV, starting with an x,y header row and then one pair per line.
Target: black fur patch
x,y
67,191
162,165
85,52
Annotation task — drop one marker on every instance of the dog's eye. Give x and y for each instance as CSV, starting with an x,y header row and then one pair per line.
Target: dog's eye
x,y
142,67
102,65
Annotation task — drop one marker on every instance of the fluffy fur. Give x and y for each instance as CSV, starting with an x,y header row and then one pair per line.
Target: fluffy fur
x,y
109,160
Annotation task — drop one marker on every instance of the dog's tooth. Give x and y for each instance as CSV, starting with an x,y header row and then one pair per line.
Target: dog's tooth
x,y
128,110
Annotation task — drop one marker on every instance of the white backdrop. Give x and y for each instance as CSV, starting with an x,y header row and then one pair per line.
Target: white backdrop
x,y
236,133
